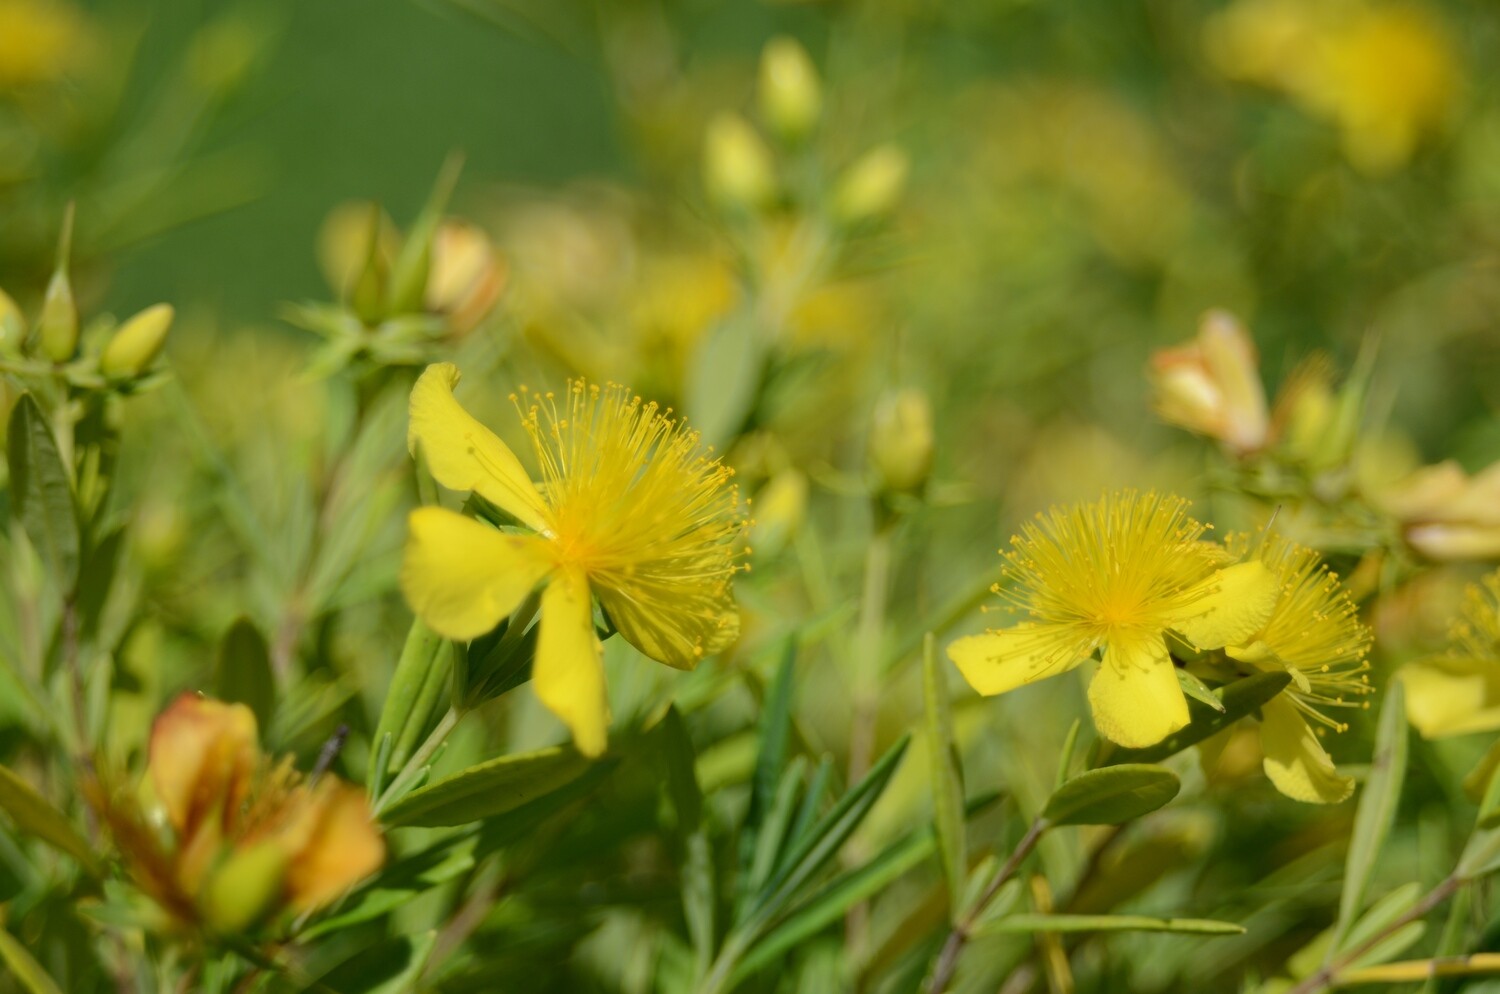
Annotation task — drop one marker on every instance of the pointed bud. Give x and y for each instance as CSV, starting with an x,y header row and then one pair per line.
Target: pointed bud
x,y
368,296
409,278
12,326
57,329
136,343
245,888
872,186
901,440
778,511
791,98
737,165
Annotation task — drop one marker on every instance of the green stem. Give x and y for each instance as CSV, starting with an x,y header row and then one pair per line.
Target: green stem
x,y
947,961
419,759
1328,976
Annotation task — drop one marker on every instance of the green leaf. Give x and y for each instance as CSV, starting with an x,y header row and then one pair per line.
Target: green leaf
x,y
41,492
1065,759
1376,812
724,378
804,859
34,815
1489,805
95,579
774,837
1106,923
393,967
27,971
488,789
1199,691
775,735
1239,699
681,779
1111,795
242,671
521,824
830,903
946,773
415,693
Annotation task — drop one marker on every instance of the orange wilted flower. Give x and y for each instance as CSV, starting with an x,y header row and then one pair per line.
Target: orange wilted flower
x,y
228,837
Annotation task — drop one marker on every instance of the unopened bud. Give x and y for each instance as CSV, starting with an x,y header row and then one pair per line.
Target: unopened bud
x,y
777,511
467,275
791,98
1212,386
368,295
12,325
901,440
1318,425
245,888
57,330
872,186
737,165
136,343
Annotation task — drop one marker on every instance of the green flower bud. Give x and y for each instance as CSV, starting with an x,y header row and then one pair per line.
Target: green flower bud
x,y
57,330
901,441
791,97
12,325
872,186
245,888
737,165
136,343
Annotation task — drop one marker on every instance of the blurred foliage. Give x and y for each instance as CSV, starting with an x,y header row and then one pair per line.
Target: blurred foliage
x,y
915,272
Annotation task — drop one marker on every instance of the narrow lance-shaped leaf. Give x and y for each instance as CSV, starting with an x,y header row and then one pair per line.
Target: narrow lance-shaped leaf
x,y
825,839
489,788
1106,923
27,971
42,492
34,815
1111,795
1377,808
242,671
416,688
775,741
946,774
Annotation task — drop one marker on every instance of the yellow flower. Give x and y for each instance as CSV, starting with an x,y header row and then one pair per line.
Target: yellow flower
x,y
1212,386
1459,693
40,41
248,837
1385,74
1117,575
1313,634
628,510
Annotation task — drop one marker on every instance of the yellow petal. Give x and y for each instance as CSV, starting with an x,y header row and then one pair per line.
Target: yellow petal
x,y
1296,763
1004,660
569,670
1452,696
679,640
1135,695
1230,607
462,576
463,454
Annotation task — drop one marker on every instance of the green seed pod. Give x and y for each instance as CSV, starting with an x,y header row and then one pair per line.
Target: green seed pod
x,y
136,343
